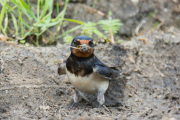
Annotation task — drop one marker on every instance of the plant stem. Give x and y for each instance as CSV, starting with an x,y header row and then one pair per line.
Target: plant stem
x,y
37,40
112,37
62,17
2,14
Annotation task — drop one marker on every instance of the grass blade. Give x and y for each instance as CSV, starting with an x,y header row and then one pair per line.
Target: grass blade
x,y
100,34
26,24
24,5
38,8
21,22
15,24
48,24
30,11
45,8
2,14
57,7
21,7
51,5
6,23
62,16
73,20
69,31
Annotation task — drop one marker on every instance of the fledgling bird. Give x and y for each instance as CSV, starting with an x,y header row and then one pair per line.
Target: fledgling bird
x,y
85,71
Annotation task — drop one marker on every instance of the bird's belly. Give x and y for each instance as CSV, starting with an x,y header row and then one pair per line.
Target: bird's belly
x,y
88,84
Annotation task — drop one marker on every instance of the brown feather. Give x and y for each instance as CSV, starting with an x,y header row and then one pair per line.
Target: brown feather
x,y
79,53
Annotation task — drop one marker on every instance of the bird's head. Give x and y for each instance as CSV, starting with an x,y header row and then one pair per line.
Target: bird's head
x,y
82,46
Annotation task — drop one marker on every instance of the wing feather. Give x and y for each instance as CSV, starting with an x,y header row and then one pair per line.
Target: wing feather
x,y
104,71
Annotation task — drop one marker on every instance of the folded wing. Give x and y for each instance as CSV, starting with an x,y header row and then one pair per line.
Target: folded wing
x,y
104,71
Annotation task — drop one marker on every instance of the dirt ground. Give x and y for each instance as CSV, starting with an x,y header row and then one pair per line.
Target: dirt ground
x,y
148,88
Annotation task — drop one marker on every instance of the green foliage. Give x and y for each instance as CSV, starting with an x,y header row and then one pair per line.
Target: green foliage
x,y
22,41
15,24
68,39
110,26
94,3
55,61
34,25
152,14
166,41
69,31
119,41
30,23
89,29
3,12
155,25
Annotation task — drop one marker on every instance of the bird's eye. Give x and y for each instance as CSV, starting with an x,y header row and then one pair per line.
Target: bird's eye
x,y
91,43
76,43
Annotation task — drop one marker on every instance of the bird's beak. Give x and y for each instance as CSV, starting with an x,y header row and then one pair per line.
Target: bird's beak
x,y
84,48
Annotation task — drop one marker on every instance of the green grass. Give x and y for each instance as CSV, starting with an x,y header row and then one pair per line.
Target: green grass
x,y
3,11
28,23
110,26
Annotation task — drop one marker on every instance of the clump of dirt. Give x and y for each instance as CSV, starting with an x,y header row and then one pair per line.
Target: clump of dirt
x,y
148,88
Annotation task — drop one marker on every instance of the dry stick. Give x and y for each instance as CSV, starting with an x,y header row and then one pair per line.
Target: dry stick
x,y
161,74
138,27
92,10
106,109
80,45
2,65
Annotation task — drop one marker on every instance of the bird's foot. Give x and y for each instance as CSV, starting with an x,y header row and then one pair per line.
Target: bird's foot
x,y
84,97
99,106
103,106
73,106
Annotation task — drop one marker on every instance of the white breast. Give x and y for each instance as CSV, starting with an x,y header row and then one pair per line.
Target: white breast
x,y
88,84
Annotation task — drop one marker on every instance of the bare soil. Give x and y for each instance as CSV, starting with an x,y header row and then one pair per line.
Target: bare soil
x,y
148,88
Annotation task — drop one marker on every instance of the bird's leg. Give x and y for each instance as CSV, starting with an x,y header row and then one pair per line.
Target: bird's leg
x,y
76,99
83,96
76,96
100,97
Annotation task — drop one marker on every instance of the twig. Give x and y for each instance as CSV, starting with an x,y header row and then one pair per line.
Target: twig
x,y
162,75
93,48
2,65
106,108
92,10
138,27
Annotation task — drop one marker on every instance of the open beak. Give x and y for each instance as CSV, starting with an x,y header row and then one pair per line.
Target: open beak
x,y
84,48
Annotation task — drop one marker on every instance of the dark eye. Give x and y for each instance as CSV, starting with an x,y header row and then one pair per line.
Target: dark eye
x,y
91,43
76,43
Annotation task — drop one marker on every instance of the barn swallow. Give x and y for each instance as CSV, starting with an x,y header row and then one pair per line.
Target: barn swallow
x,y
85,71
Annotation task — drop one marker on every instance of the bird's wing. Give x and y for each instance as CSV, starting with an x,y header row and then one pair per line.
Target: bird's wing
x,y
104,71
62,68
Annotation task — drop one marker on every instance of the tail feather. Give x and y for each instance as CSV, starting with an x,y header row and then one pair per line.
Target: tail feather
x,y
62,68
